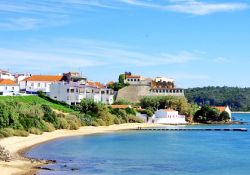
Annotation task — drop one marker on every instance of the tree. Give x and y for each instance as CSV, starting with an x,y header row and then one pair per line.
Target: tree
x,y
224,116
205,114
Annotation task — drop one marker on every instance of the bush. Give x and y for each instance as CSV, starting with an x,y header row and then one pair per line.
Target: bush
x,y
224,116
50,116
117,121
95,123
21,133
35,131
48,127
7,132
134,119
63,123
73,121
101,122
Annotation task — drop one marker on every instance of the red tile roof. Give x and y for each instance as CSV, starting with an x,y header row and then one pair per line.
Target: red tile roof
x,y
95,84
7,82
220,108
44,78
133,76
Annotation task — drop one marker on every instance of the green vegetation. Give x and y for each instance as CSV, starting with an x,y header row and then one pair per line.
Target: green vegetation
x,y
35,100
21,115
161,102
120,84
238,99
208,114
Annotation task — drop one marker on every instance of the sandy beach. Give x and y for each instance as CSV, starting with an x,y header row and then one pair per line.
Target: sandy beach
x,y
17,145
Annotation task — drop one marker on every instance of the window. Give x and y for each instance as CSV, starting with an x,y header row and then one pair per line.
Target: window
x,y
32,84
67,90
13,88
6,87
38,84
72,90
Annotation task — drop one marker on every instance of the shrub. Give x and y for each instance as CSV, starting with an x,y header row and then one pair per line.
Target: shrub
x,y
48,127
50,116
63,123
117,121
101,122
35,131
73,121
21,133
95,123
7,132
134,119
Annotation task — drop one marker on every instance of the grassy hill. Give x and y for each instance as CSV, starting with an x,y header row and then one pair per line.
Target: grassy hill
x,y
237,98
32,100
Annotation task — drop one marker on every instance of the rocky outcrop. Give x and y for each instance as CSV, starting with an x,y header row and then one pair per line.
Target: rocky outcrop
x,y
4,154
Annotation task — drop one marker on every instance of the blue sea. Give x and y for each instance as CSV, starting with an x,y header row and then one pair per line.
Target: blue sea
x,y
151,152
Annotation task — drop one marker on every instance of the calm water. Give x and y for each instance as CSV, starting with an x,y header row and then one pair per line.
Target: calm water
x,y
151,153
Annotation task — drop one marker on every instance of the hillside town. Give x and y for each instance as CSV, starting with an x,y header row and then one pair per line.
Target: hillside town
x,y
73,87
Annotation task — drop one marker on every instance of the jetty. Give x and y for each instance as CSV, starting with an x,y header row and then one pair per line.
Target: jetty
x,y
193,129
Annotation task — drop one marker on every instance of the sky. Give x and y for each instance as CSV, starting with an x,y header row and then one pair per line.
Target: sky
x,y
196,42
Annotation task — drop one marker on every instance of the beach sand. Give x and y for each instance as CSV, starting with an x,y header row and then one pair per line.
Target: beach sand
x,y
18,145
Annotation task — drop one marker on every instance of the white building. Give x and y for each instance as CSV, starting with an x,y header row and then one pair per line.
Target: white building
x,y
6,75
35,83
8,87
73,92
168,116
224,108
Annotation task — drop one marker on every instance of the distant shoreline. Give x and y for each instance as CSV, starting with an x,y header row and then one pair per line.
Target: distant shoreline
x,y
241,112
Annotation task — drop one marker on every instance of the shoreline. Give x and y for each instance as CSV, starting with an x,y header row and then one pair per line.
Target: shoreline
x,y
241,112
18,146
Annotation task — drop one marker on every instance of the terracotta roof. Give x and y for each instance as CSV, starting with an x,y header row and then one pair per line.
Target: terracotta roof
x,y
170,110
44,78
133,76
220,108
95,84
7,82
120,106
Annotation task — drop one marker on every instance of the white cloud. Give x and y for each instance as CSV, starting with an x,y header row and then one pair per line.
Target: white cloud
x,y
70,54
191,6
221,60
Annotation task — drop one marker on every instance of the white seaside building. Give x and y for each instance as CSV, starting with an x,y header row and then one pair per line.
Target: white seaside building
x,y
8,87
168,116
35,83
6,75
73,92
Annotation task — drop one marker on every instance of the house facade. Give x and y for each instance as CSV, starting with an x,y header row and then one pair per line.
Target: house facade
x,y
35,83
168,116
6,75
72,92
8,87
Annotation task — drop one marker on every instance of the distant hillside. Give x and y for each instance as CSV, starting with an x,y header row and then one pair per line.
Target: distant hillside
x,y
237,98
